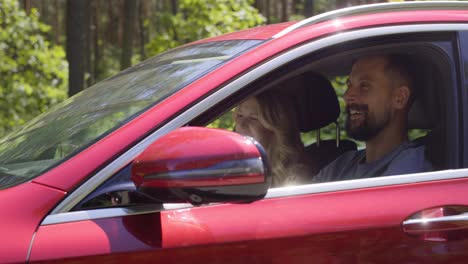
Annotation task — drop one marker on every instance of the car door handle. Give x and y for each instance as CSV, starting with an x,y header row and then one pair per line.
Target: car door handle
x,y
436,224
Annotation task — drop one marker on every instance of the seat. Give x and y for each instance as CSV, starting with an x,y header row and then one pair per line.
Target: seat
x,y
317,106
425,112
328,150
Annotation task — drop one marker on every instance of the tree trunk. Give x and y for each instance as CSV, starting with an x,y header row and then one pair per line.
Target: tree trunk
x,y
121,20
309,8
76,21
260,4
295,7
56,22
27,6
141,26
174,7
43,9
277,11
284,10
97,46
90,58
87,42
343,3
130,11
268,12
111,36
174,10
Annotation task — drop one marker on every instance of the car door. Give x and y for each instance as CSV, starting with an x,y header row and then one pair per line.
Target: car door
x,y
399,219
419,218
326,225
368,220
348,226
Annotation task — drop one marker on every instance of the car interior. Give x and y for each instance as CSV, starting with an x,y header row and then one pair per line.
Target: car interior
x,y
317,106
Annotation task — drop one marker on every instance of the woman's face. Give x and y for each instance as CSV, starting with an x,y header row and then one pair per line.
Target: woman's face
x,y
246,118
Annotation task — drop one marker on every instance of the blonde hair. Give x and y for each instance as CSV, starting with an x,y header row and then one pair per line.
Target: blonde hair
x,y
277,114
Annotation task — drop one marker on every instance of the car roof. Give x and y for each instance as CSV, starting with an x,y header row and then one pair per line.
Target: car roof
x,y
260,33
376,8
278,30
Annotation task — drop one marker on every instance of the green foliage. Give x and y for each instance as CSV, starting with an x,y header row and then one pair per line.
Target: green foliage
x,y
33,73
109,64
198,19
225,121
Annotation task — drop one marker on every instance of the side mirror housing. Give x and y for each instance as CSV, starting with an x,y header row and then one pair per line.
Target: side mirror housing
x,y
202,165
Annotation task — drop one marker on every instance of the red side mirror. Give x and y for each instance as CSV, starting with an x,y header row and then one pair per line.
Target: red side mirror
x,y
202,165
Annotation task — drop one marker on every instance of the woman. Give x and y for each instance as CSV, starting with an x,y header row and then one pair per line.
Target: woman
x,y
271,120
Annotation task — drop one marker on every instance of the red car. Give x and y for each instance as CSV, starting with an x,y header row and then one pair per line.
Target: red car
x,y
126,171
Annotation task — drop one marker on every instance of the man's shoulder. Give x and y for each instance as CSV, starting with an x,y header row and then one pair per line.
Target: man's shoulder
x,y
349,155
345,158
412,150
411,159
335,167
407,158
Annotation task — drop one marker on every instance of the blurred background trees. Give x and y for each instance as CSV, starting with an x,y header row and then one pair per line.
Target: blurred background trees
x,y
102,37
33,72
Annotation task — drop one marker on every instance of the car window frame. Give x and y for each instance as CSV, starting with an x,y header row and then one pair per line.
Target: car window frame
x,y
61,213
462,51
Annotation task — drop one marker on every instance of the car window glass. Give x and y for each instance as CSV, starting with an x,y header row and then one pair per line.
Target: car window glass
x,y
118,191
327,133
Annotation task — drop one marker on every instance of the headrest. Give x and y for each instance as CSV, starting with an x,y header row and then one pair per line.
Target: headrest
x,y
418,117
423,113
315,101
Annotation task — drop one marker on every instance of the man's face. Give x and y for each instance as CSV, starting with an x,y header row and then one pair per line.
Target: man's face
x,y
368,98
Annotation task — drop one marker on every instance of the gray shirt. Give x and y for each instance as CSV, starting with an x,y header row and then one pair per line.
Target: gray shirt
x,y
407,158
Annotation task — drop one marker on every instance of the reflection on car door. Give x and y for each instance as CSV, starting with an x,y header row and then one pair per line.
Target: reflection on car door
x,y
363,225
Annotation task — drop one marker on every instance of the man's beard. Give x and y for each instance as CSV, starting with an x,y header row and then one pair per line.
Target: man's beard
x,y
369,127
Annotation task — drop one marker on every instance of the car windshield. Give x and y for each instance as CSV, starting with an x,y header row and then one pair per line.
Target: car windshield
x,y
86,117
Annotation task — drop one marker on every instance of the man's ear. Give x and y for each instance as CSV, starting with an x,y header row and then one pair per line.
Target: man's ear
x,y
401,97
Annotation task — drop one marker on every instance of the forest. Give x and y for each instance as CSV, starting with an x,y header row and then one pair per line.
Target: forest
x,y
53,49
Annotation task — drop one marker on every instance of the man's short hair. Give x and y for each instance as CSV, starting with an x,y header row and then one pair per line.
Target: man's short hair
x,y
400,70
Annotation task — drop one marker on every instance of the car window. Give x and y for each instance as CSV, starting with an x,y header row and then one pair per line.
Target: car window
x,y
273,118
419,134
82,119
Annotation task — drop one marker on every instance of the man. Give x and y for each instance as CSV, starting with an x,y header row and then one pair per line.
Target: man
x,y
378,98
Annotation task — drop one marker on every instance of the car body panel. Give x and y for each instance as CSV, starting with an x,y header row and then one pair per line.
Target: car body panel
x,y
322,227
23,207
131,233
260,32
